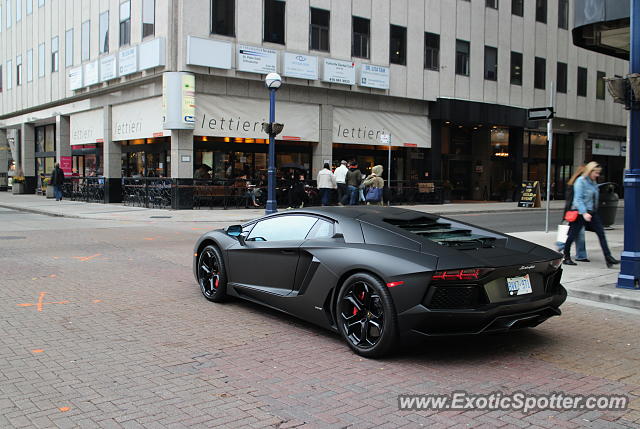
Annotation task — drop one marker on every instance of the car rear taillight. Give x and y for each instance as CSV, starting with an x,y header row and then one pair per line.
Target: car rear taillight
x,y
457,275
556,263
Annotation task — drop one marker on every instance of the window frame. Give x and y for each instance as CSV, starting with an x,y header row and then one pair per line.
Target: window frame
x,y
55,54
320,28
563,18
30,65
68,50
103,33
152,24
581,87
29,8
600,85
540,73
18,70
487,67
434,53
85,41
517,6
9,74
42,54
269,22
561,84
363,36
398,57
124,25
542,8
18,11
8,13
513,80
231,23
492,4
459,56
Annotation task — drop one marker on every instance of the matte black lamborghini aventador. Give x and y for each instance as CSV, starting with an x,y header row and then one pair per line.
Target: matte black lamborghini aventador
x,y
373,273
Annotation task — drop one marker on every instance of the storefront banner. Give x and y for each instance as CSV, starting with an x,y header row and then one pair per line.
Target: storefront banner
x,y
366,127
87,127
66,164
108,68
178,100
374,76
606,147
91,73
300,66
219,116
75,78
257,60
128,61
338,71
138,120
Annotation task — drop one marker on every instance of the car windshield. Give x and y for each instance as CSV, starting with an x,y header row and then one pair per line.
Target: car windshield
x,y
444,233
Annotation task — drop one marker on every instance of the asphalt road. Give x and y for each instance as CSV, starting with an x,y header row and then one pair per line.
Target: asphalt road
x,y
102,325
519,221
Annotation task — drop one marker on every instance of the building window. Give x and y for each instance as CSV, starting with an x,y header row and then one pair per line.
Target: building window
x,y
223,17
8,10
30,65
490,63
104,33
1,18
125,23
68,48
539,73
600,84
360,42
492,4
41,60
0,77
85,42
19,70
561,76
18,10
29,7
582,82
274,21
516,68
55,56
563,14
541,11
431,51
148,18
462,57
9,74
398,45
40,3
319,30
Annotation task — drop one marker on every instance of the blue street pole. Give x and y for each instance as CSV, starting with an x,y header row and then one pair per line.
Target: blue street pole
x,y
272,205
630,260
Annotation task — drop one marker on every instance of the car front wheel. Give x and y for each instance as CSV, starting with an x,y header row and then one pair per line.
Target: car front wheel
x,y
366,316
212,276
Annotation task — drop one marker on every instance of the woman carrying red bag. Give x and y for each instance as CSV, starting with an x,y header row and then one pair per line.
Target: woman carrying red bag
x,y
585,202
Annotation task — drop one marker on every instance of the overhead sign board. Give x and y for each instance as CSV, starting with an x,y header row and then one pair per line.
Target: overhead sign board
x,y
75,78
254,59
108,68
338,71
128,61
374,76
300,66
91,73
87,127
208,53
540,113
607,147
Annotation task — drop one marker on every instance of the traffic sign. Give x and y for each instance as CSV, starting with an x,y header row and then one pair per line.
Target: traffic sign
x,y
540,113
385,138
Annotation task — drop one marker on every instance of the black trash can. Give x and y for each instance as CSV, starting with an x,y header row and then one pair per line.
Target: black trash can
x,y
608,203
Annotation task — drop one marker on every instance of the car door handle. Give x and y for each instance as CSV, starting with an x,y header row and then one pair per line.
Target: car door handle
x,y
288,252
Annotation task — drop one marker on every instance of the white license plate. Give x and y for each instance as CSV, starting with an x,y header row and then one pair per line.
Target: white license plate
x,y
519,285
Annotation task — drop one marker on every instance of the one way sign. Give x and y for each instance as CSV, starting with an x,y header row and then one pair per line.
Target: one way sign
x,y
540,113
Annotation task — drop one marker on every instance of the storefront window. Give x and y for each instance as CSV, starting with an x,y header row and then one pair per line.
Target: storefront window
x,y
146,158
500,142
45,156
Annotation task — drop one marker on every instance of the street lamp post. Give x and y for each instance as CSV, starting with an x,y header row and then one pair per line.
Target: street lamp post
x,y
273,82
629,277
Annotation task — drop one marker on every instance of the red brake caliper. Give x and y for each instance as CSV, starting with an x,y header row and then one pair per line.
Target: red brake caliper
x,y
216,283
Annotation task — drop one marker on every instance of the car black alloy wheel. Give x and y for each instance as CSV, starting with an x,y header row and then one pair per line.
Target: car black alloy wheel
x,y
366,315
212,274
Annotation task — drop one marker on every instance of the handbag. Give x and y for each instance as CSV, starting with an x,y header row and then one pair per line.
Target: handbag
x,y
563,232
374,195
571,215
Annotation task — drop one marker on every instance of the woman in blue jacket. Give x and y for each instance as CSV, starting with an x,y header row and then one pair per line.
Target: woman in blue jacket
x,y
585,201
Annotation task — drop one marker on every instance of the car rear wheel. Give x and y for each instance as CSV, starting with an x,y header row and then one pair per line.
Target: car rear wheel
x,y
366,316
212,275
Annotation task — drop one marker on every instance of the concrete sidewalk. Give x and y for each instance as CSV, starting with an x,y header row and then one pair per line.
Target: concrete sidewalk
x,y
593,281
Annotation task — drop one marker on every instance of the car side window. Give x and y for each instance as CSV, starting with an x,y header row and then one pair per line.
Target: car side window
x,y
322,229
281,228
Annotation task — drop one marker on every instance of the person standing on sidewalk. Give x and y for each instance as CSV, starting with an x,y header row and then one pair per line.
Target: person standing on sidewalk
x,y
353,179
57,180
341,182
585,200
375,181
581,249
326,181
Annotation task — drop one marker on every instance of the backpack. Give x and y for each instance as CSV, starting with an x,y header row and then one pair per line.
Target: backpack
x,y
374,195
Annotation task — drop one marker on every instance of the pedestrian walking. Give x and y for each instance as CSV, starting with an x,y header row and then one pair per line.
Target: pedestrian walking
x,y
376,185
326,181
341,177
57,180
585,202
353,180
581,249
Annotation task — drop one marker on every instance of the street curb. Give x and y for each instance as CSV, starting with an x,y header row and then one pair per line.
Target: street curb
x,y
42,212
607,298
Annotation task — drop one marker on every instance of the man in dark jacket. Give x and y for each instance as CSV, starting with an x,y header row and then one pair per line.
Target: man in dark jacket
x,y
57,179
353,181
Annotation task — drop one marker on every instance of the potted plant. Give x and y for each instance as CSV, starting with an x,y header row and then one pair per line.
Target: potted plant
x,y
18,184
48,188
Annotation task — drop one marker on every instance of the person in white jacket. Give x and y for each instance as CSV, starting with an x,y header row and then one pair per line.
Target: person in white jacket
x,y
341,181
326,182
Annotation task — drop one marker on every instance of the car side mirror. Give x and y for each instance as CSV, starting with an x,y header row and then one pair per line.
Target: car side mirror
x,y
338,235
233,230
